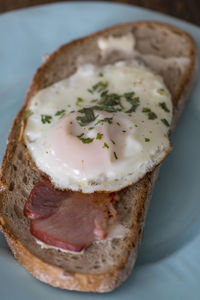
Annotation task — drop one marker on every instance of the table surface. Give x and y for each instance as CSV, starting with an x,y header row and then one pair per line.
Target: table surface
x,y
183,9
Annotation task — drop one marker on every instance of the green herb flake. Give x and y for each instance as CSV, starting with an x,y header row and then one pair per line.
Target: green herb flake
x,y
28,113
111,102
112,99
136,125
129,95
100,86
85,140
90,91
87,118
105,145
107,108
79,101
134,101
108,102
123,130
115,155
146,110
60,113
99,136
152,116
165,122
164,106
113,142
46,119
161,91
79,136
108,120
118,124
147,140
104,93
90,128
100,74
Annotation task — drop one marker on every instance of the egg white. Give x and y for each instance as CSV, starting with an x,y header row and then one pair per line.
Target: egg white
x,y
145,141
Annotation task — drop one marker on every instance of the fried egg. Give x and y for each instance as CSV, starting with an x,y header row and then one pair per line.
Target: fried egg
x,y
101,129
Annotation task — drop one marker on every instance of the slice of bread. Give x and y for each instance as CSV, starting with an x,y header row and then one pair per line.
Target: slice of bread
x,y
103,266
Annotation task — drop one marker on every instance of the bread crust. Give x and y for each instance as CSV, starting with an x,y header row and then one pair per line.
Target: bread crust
x,y
49,273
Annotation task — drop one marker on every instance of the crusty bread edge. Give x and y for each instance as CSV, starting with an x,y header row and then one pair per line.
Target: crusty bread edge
x,y
91,282
55,276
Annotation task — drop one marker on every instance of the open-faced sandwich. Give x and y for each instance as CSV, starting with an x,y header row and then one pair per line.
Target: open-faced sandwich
x,y
84,152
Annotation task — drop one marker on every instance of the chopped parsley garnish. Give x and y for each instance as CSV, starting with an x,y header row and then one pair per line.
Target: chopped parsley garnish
x,y
129,95
115,155
87,118
98,87
151,115
108,102
90,91
29,113
164,106
80,136
79,101
85,140
113,142
108,108
146,110
147,140
108,120
99,136
46,119
100,74
90,128
161,91
134,101
60,113
105,145
165,122
110,99
123,130
104,93
112,102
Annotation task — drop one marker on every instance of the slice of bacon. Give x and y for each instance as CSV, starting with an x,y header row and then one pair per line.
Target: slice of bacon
x,y
41,202
68,220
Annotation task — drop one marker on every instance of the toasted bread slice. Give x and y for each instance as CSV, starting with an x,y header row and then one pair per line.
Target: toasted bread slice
x,y
103,266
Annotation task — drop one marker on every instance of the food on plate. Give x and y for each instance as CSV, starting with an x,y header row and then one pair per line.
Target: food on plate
x,y
84,152
100,129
